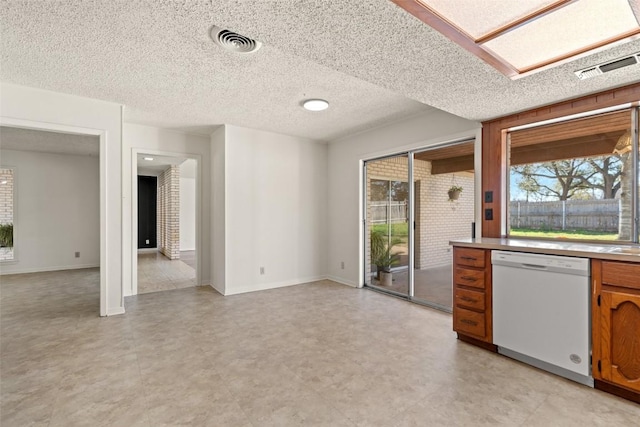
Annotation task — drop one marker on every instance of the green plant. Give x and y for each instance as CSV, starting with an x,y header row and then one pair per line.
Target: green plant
x,y
387,260
454,192
381,248
378,244
6,235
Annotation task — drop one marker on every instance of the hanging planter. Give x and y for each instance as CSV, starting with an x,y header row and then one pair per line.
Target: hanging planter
x,y
454,193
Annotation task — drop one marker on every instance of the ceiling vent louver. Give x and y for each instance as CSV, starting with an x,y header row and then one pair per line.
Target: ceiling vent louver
x,y
233,41
608,66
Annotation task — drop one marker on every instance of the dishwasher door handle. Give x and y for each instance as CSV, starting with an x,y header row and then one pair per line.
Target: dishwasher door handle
x,y
534,266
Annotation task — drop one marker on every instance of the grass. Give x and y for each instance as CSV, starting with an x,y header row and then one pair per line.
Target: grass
x,y
566,234
397,230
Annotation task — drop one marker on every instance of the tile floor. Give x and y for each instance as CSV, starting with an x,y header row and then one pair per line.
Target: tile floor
x,y
431,285
156,273
315,354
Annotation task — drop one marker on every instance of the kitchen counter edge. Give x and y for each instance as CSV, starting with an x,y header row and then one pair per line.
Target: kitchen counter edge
x,y
576,249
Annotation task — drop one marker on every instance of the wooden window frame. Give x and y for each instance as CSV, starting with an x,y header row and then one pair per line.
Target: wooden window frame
x,y
494,147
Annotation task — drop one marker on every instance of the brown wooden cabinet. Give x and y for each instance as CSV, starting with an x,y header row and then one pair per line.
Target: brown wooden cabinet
x,y
616,326
472,317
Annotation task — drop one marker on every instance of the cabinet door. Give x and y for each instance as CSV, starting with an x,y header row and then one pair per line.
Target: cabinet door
x,y
620,339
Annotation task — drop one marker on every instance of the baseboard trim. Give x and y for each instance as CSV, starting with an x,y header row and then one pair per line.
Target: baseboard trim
x,y
147,250
115,311
342,281
216,289
273,285
46,269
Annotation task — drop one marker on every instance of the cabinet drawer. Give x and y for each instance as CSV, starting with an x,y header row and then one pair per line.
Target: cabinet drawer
x,y
468,277
469,299
469,322
469,257
621,274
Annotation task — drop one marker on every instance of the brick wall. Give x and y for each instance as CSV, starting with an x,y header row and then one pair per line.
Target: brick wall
x,y
6,207
438,220
168,212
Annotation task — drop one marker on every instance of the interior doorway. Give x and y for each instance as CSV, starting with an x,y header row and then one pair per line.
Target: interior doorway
x,y
408,227
52,207
166,222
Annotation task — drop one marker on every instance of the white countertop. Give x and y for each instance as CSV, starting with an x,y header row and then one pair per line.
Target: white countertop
x,y
552,247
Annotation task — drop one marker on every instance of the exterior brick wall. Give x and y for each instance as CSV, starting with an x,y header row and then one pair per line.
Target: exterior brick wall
x,y
438,220
6,206
168,212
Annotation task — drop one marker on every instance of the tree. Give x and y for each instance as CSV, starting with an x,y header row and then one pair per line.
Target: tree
x,y
573,178
561,179
607,174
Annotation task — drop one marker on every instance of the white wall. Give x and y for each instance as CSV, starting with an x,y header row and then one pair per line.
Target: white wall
x,y
36,108
218,210
276,201
162,141
188,205
57,211
345,179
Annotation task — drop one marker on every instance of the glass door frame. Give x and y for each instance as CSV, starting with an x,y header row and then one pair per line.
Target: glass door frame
x,y
411,215
410,224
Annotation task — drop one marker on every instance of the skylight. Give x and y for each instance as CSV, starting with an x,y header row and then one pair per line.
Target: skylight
x,y
519,38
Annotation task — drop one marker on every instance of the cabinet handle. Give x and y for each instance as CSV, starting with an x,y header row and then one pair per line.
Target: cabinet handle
x,y
469,258
468,299
469,322
469,278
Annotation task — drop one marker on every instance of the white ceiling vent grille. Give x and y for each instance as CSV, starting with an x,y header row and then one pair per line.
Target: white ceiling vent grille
x,y
608,66
234,42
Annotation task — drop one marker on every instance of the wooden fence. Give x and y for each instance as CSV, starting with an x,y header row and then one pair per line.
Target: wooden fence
x,y
388,212
593,215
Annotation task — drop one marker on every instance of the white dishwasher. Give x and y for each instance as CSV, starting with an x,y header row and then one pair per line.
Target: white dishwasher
x,y
541,312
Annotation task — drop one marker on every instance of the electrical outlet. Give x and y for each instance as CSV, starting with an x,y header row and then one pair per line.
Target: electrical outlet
x,y
488,196
146,241
342,265
261,270
77,254
488,214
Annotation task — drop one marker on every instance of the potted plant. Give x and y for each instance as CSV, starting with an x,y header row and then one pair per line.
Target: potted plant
x,y
382,257
454,192
384,264
6,235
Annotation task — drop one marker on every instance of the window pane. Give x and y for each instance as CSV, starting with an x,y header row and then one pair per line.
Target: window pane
x,y
6,214
573,180
387,231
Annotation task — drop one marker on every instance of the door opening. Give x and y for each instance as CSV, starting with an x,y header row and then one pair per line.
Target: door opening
x,y
408,227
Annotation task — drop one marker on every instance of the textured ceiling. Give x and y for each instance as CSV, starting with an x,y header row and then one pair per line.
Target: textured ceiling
x,y
373,61
48,142
158,164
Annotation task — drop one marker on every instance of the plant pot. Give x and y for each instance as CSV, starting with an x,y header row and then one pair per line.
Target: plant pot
x,y
454,195
386,278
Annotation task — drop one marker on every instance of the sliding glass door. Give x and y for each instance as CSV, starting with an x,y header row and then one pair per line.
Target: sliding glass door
x,y
387,224
408,226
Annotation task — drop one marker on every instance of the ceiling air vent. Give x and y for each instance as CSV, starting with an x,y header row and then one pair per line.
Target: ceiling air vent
x,y
608,66
234,42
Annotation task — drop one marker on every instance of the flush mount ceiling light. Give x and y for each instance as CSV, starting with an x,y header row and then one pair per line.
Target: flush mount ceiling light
x,y
232,41
315,104
520,38
148,158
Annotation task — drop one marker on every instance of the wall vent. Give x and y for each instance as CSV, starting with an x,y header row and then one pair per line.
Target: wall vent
x,y
233,41
608,66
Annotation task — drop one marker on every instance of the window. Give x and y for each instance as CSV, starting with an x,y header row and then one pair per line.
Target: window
x,y
575,179
6,213
521,37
